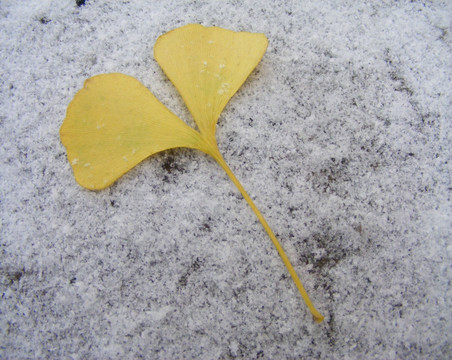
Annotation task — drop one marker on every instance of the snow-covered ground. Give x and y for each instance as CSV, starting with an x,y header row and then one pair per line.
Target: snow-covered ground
x,y
342,136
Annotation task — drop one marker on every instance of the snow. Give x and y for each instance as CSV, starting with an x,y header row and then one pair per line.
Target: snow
x,y
342,137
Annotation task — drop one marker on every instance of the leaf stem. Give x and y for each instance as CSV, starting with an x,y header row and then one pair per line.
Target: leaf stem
x,y
219,158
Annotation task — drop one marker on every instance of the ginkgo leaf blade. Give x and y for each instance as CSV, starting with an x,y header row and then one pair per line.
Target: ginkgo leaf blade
x,y
114,123
208,65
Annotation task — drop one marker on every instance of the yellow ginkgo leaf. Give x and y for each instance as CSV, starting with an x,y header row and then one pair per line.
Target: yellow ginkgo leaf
x,y
113,123
208,65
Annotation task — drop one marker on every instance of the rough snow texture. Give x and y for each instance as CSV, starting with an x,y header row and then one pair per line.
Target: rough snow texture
x,y
342,136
